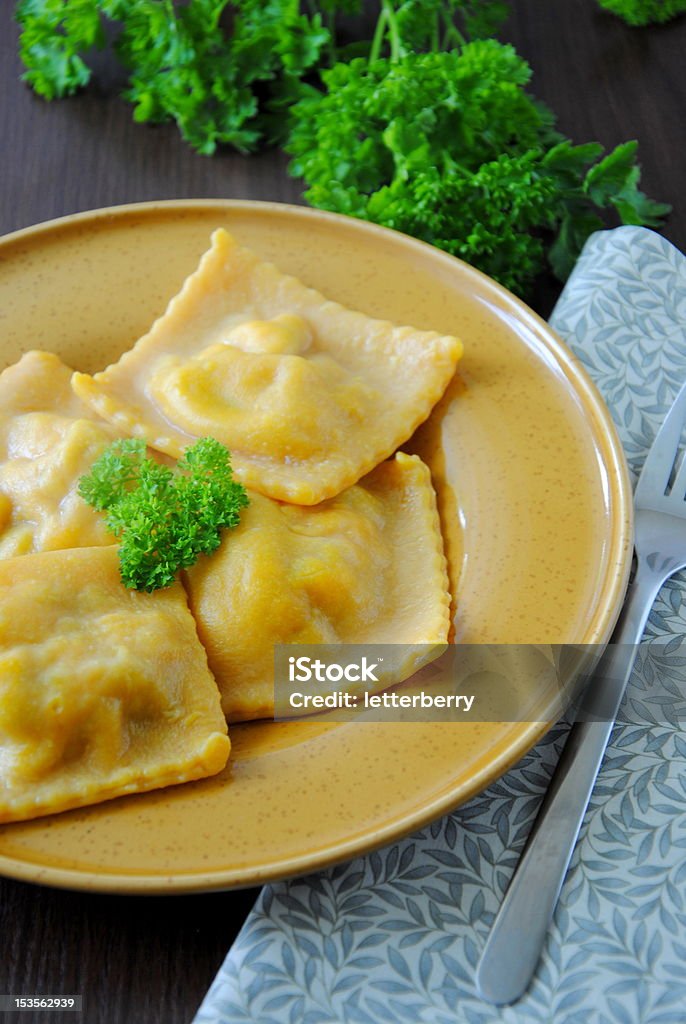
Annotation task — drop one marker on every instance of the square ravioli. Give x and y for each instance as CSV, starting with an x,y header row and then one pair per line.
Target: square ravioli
x,y
48,439
307,395
365,567
103,691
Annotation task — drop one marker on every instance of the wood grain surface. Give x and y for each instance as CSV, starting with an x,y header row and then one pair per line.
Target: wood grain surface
x,y
149,960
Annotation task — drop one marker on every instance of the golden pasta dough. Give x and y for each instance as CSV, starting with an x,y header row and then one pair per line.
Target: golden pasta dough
x,y
307,395
365,567
48,440
103,691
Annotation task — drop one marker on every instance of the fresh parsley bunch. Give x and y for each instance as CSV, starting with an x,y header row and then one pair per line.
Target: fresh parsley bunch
x,y
181,62
450,147
645,12
428,127
163,518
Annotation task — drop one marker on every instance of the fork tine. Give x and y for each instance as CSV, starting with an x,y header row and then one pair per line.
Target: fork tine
x,y
657,467
678,490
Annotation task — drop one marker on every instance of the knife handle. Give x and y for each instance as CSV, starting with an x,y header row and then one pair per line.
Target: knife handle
x,y
513,948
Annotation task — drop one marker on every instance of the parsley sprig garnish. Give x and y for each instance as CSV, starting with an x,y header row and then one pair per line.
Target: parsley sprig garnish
x,y
164,518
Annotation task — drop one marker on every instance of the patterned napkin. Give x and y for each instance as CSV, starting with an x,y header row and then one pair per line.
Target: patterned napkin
x,y
395,936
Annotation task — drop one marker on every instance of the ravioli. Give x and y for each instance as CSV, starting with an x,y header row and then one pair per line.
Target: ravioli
x,y
103,691
364,567
48,439
307,395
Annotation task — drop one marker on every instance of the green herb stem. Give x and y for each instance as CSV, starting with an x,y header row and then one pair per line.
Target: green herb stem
x,y
379,35
394,35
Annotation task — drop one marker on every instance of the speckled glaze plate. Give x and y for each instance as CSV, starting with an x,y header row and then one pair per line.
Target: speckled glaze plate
x,y
535,505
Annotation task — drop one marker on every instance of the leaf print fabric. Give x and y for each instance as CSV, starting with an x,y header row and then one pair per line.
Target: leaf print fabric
x,y
394,937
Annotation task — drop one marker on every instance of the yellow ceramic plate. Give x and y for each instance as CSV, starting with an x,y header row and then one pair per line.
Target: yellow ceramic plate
x,y
535,503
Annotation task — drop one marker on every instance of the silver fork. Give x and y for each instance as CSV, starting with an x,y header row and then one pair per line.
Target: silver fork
x,y
514,945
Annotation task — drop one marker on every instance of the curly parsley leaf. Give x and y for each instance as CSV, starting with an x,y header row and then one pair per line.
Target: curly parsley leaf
x,y
113,474
163,518
53,38
178,70
184,67
644,12
614,182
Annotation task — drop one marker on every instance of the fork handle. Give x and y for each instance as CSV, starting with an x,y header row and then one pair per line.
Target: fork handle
x,y
510,956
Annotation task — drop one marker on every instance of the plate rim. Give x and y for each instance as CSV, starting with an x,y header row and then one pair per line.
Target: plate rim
x,y
620,549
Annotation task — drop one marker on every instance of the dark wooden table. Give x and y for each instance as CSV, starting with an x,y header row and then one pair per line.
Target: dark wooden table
x,y
149,960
